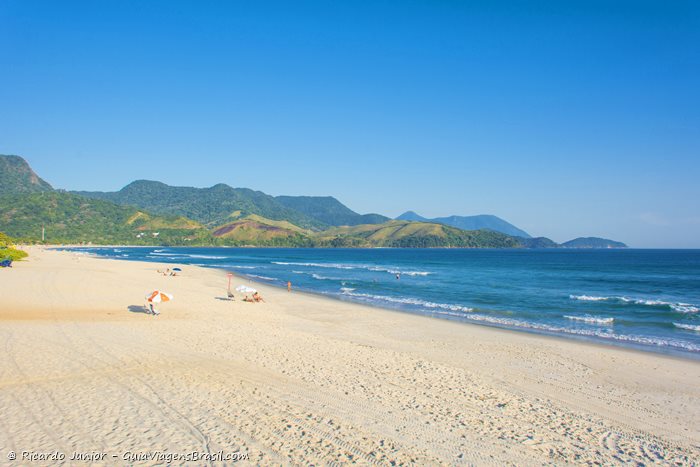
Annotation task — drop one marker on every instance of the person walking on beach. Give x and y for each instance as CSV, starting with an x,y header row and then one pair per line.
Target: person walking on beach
x,y
289,286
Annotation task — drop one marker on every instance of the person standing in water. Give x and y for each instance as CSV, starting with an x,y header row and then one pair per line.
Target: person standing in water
x,y
289,286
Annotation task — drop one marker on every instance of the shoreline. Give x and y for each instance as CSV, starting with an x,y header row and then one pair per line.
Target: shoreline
x,y
302,379
582,340
585,340
668,350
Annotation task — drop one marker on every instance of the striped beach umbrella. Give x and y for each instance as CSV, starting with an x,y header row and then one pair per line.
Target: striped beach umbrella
x,y
157,297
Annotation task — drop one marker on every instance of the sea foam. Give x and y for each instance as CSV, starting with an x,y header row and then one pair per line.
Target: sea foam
x,y
588,298
207,257
265,278
406,301
389,269
598,333
325,278
675,306
689,327
590,319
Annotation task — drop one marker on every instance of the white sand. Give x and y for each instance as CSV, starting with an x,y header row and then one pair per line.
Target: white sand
x,y
303,379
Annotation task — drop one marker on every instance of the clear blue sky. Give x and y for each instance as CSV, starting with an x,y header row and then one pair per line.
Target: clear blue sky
x,y
565,118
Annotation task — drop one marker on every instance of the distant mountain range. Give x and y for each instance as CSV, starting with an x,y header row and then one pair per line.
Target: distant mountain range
x,y
149,212
329,210
483,221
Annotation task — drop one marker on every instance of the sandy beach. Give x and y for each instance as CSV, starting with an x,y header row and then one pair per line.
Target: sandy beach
x,y
302,379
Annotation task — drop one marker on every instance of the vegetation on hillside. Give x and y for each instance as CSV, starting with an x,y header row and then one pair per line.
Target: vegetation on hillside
x,y
17,177
212,206
329,210
479,222
152,213
68,218
592,242
405,234
537,242
257,230
6,250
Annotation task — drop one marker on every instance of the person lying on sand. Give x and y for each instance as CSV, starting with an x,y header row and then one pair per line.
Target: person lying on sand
x,y
257,297
248,299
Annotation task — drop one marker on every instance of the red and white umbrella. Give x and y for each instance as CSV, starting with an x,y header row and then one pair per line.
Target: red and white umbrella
x,y
157,297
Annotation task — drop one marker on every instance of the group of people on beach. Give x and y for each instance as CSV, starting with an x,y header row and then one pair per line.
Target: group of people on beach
x,y
151,309
167,272
255,298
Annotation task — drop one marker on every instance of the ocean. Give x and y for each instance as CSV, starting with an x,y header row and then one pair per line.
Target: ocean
x,y
646,299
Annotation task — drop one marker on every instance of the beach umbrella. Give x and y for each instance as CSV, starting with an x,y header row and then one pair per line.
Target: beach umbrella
x,y
177,269
245,289
157,297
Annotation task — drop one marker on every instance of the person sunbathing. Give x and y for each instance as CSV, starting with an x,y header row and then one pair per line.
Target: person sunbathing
x,y
257,297
248,299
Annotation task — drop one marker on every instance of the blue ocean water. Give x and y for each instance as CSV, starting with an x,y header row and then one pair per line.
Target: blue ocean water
x,y
648,299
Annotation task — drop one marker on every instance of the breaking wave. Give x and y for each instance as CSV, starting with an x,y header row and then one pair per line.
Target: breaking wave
x,y
602,334
590,319
390,270
265,278
207,257
160,253
675,306
588,298
317,265
405,301
325,278
398,271
689,327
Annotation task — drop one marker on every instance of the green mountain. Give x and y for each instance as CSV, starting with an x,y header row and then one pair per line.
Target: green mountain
x,y
256,230
214,206
482,221
17,177
153,213
69,218
537,242
592,242
581,242
405,234
412,216
329,210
